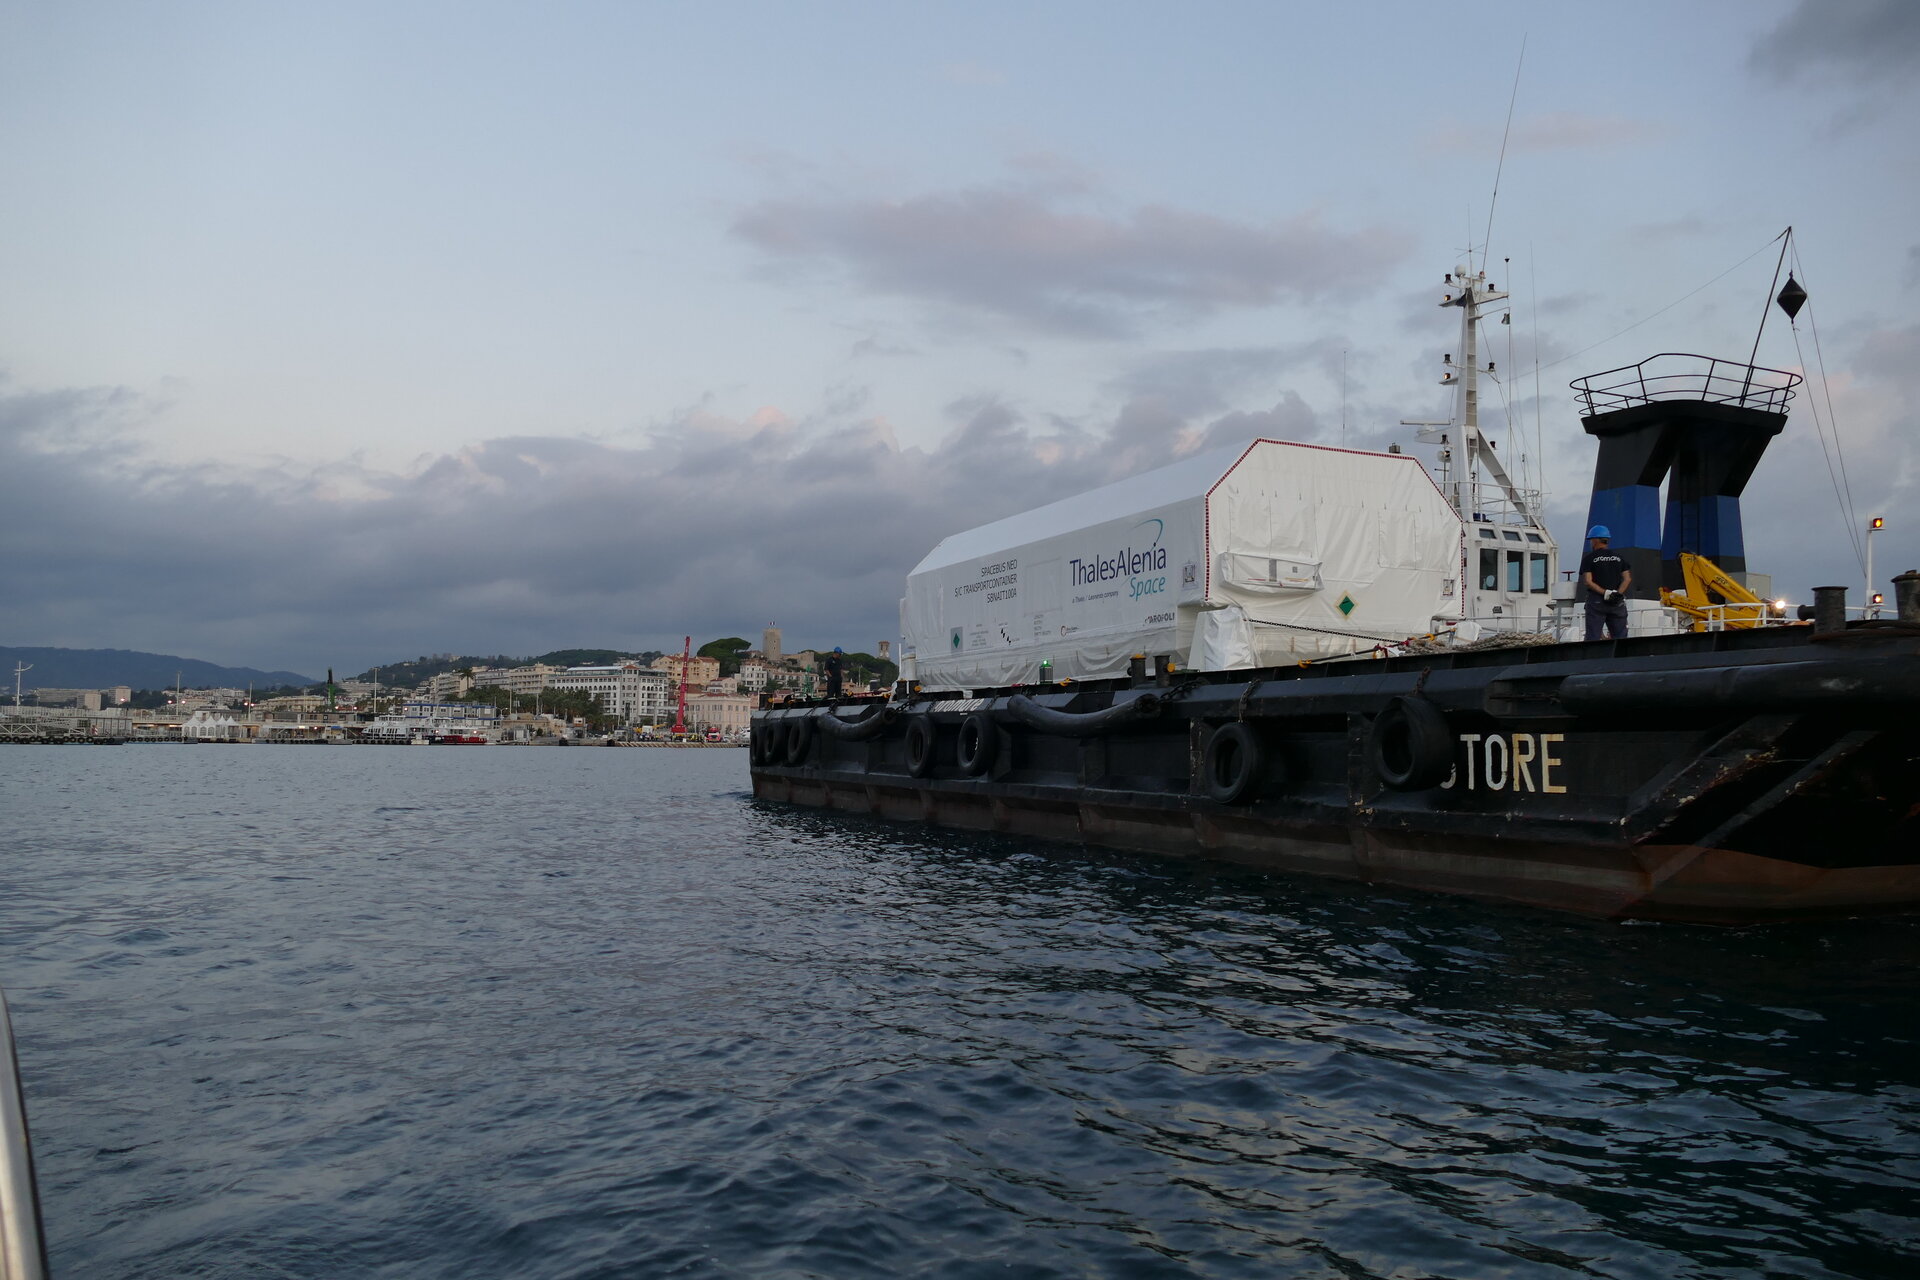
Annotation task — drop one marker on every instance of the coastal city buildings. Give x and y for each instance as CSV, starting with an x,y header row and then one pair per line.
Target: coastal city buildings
x,y
429,720
700,671
519,681
289,706
728,713
84,699
632,694
448,684
628,692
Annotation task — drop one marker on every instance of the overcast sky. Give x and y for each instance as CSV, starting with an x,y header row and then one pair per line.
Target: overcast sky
x,y
336,334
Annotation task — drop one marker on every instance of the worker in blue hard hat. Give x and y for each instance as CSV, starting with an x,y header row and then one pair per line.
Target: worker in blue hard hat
x,y
1605,577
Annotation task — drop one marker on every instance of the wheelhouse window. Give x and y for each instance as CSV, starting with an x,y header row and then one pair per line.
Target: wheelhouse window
x,y
1537,579
1489,569
1516,572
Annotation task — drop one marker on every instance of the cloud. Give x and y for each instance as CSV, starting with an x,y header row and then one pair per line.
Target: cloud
x,y
1843,40
972,75
708,525
1028,254
1872,402
1563,304
875,348
1205,381
1670,229
712,524
1553,131
1289,419
1054,173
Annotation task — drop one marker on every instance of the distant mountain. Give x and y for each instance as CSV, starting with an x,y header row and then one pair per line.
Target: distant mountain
x,y
104,668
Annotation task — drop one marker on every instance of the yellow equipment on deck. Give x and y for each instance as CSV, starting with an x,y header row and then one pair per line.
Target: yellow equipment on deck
x,y
1713,599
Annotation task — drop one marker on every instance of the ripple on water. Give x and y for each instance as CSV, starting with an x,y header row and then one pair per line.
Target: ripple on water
x,y
583,1014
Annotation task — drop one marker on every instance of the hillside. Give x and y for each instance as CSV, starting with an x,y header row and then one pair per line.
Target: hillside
x,y
590,657
415,670
104,668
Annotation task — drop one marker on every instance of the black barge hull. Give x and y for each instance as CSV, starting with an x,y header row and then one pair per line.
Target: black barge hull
x,y
1731,777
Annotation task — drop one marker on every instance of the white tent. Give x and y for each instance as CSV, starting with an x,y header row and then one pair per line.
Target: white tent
x,y
1304,551
207,726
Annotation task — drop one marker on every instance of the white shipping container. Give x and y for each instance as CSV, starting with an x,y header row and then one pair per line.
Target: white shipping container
x,y
1258,554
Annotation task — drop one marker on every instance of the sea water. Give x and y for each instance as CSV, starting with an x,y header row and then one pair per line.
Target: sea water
x,y
498,1012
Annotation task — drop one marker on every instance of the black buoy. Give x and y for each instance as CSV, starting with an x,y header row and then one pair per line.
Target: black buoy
x,y
1792,297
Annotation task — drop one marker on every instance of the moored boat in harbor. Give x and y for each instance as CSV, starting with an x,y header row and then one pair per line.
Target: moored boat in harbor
x,y
1326,661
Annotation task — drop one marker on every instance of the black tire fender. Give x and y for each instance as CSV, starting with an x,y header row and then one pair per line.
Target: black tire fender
x,y
1233,765
1410,746
978,738
772,741
920,746
799,742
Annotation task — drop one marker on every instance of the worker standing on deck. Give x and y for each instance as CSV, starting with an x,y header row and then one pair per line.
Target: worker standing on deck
x,y
835,661
1605,575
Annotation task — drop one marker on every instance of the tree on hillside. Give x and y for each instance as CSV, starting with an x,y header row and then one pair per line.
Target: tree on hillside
x,y
582,657
727,650
569,703
862,668
491,695
401,674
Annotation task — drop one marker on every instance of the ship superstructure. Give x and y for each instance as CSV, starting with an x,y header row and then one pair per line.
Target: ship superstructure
x,y
1511,563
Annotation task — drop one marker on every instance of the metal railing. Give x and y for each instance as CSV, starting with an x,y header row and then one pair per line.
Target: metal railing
x,y
1721,617
1677,375
22,1247
1497,509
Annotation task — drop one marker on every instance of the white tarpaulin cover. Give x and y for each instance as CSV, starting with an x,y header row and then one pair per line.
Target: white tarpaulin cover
x,y
1222,640
1324,551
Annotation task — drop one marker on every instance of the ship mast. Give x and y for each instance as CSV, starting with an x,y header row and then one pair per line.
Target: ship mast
x,y
1510,560
1466,455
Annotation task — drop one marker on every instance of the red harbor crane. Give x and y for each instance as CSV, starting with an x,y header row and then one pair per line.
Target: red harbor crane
x,y
686,660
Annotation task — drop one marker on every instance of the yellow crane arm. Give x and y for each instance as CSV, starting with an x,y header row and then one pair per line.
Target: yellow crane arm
x,y
1705,581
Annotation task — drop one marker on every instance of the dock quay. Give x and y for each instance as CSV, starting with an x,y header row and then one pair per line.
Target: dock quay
x,y
64,725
